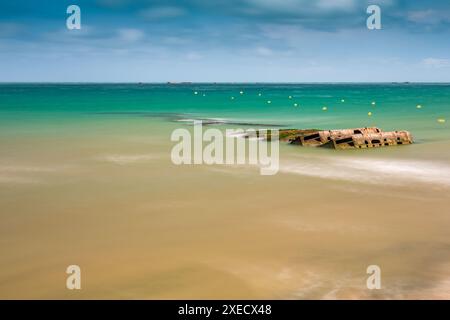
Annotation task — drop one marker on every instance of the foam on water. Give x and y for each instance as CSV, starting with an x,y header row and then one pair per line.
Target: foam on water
x,y
372,171
11,174
124,159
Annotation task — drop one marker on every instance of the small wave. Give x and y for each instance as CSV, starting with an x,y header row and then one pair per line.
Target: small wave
x,y
31,169
124,159
220,121
28,174
372,171
17,180
237,134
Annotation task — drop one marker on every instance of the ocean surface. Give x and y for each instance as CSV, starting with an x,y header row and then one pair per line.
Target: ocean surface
x,y
86,178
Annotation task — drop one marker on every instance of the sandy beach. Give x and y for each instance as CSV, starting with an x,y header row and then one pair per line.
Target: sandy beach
x,y
101,192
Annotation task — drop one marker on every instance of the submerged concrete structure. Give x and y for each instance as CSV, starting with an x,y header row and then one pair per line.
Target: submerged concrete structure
x,y
357,138
319,138
371,140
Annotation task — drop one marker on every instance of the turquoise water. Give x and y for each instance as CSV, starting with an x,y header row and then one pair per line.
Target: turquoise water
x,y
347,105
64,109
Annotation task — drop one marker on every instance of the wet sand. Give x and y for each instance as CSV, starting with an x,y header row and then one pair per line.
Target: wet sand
x,y
108,199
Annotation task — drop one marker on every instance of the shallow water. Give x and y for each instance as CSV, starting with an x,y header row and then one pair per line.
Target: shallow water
x,y
86,178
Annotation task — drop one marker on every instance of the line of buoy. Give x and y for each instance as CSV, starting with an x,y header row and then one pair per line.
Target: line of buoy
x,y
439,120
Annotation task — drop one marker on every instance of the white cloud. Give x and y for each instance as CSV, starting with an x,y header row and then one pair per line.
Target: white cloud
x,y
162,13
428,16
175,40
263,51
341,5
436,63
299,7
194,56
130,35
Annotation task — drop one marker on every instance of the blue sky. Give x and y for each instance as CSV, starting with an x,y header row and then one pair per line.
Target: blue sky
x,y
225,41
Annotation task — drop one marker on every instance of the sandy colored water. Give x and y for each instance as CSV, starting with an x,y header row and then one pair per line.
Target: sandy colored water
x,y
108,198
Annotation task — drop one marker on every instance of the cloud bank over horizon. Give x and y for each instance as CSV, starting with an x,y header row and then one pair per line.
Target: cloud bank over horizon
x,y
225,41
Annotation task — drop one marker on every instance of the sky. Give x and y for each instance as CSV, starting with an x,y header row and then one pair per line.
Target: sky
x,y
225,41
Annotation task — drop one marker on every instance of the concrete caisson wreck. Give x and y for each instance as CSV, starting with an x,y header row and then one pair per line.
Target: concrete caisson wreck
x,y
371,140
357,138
319,138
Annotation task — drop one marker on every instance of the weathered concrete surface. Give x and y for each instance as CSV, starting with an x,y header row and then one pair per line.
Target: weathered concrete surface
x,y
371,140
356,138
319,138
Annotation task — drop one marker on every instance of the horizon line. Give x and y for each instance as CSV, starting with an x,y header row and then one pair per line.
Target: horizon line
x,y
221,82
